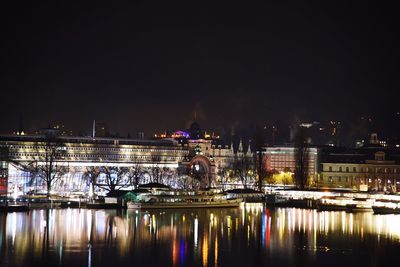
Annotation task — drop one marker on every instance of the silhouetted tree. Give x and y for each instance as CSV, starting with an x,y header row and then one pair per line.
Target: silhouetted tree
x,y
184,180
91,176
47,164
225,173
243,168
158,173
258,143
301,160
135,174
115,178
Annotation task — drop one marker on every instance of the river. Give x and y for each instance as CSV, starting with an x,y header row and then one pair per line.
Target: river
x,y
248,236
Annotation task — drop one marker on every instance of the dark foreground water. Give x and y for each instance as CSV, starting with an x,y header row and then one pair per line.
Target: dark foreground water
x,y
247,236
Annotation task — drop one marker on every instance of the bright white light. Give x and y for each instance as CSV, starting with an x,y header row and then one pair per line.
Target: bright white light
x,y
91,193
196,231
15,194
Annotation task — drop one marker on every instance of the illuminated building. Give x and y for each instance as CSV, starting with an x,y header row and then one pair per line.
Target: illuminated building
x,y
361,169
282,159
208,155
208,158
200,155
3,177
82,152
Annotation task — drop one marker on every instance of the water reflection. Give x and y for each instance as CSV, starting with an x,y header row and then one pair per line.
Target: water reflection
x,y
215,237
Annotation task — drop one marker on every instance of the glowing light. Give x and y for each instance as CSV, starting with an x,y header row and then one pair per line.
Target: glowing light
x,y
205,250
154,222
196,232
216,251
15,193
229,226
175,254
91,191
14,227
182,252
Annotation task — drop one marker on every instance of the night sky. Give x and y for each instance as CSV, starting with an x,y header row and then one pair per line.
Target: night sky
x,y
151,65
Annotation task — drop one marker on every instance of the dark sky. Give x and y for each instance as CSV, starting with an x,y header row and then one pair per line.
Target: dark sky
x,y
149,65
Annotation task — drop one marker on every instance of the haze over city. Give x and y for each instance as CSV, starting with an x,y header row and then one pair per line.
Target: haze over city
x,y
146,66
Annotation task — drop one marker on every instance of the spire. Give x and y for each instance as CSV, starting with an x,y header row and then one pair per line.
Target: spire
x,y
232,149
240,149
94,129
248,148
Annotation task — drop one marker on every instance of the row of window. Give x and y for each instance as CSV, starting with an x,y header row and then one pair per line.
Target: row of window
x,y
120,157
347,179
366,169
279,158
95,148
86,156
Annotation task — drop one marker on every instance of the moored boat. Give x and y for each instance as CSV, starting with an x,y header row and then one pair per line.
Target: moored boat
x,y
360,205
385,210
386,207
331,207
354,207
333,203
14,208
185,202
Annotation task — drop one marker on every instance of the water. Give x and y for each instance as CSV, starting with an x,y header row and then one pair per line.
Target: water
x,y
248,236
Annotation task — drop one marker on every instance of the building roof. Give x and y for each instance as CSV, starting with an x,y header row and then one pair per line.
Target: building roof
x,y
358,155
89,140
154,185
117,193
242,191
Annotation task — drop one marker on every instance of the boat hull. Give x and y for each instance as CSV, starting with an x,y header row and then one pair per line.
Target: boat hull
x,y
14,208
330,207
358,208
385,210
185,205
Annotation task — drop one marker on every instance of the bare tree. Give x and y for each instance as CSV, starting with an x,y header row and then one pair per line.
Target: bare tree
x,y
258,148
243,168
115,178
47,164
158,173
301,160
225,174
185,181
135,175
91,176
